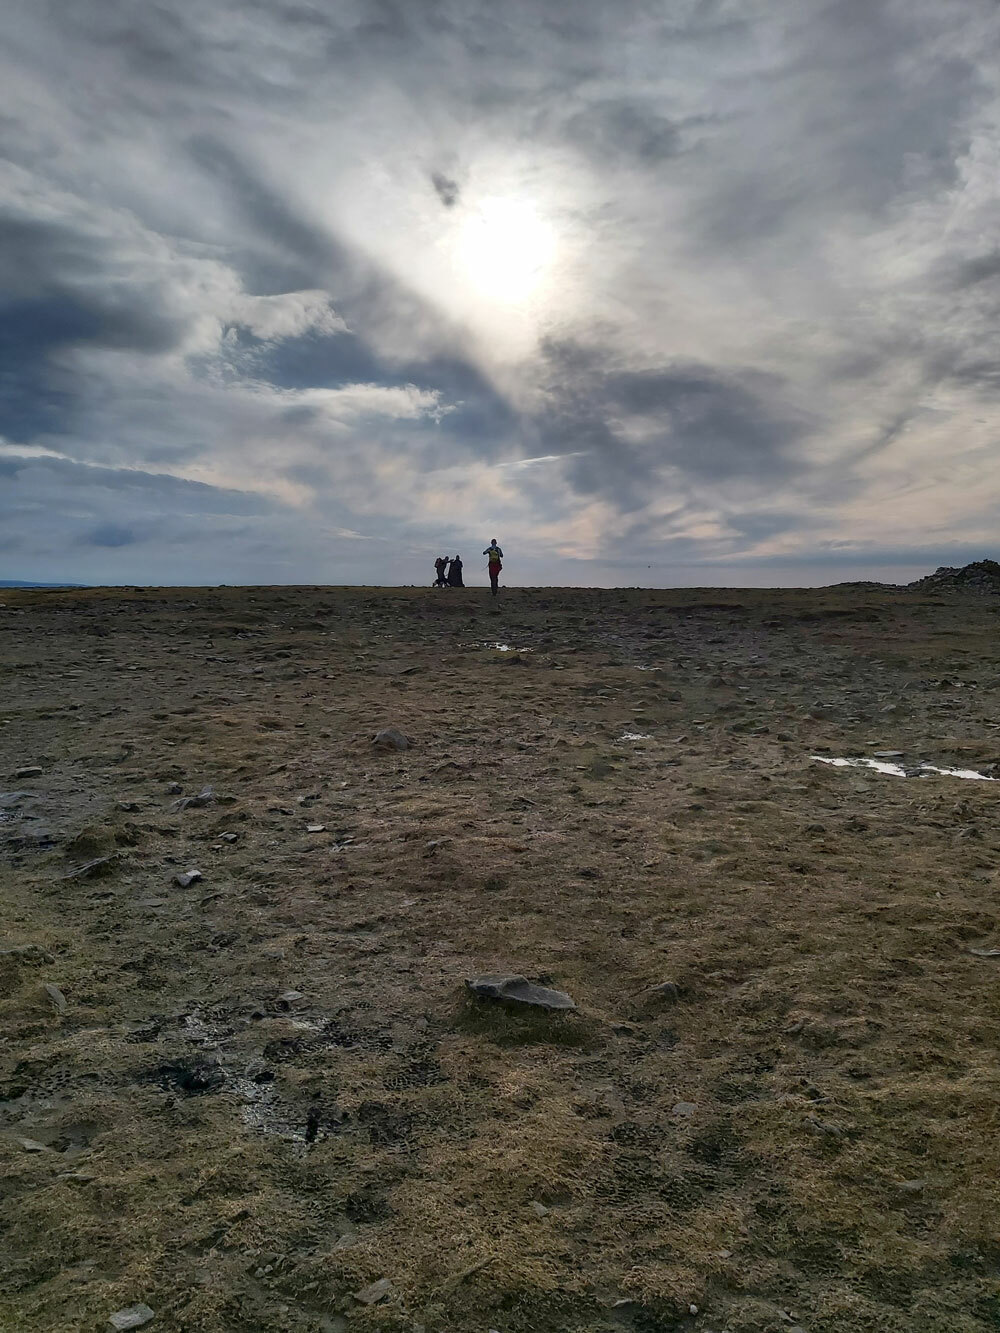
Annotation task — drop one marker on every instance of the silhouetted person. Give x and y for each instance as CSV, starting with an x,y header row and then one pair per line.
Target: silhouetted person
x,y
455,573
496,564
439,565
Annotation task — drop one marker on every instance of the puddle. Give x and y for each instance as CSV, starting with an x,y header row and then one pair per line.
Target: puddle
x,y
635,736
506,648
969,773
879,765
899,771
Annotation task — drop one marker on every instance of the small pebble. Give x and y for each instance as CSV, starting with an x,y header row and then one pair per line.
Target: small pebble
x,y
685,1108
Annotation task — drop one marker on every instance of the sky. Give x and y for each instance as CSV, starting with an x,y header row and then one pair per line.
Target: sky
x,y
696,293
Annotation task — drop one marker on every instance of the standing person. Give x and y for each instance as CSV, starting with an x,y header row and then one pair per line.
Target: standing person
x,y
496,564
439,565
455,573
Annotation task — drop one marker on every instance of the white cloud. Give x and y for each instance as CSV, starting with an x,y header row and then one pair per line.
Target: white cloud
x,y
287,315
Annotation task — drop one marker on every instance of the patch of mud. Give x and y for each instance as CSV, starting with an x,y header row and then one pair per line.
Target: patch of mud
x,y
263,1110
192,1077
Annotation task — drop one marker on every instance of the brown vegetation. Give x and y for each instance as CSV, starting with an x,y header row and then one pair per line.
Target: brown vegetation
x,y
266,1091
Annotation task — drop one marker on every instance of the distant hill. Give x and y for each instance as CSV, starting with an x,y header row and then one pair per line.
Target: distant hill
x,y
17,583
864,585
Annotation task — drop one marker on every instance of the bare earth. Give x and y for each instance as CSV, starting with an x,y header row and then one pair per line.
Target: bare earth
x,y
244,1101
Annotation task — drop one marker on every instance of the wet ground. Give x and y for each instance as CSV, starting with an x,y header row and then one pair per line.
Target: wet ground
x,y
261,1096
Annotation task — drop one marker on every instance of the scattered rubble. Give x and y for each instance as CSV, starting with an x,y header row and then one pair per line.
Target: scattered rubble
x,y
205,797
981,576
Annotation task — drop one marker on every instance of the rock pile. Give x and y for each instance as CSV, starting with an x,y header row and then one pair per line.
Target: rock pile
x,y
982,576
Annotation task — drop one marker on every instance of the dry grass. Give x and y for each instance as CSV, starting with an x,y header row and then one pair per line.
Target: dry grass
x,y
803,1131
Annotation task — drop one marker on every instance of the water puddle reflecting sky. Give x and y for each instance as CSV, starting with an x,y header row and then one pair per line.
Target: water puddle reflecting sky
x,y
895,770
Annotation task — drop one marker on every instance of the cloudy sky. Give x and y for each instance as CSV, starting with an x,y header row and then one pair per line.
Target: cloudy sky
x,y
695,292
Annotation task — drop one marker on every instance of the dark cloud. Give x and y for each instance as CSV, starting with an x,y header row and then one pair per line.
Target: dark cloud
x,y
111,535
621,129
309,251
108,319
141,491
58,286
478,414
690,418
446,189
980,268
863,108
59,291
717,425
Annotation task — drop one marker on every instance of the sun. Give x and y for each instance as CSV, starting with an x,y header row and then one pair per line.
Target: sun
x,y
506,248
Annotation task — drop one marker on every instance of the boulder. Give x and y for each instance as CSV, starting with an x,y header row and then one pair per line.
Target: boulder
x,y
518,990
391,739
134,1317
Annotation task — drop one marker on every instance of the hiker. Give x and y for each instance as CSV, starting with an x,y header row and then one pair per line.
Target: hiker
x,y
439,566
495,558
455,573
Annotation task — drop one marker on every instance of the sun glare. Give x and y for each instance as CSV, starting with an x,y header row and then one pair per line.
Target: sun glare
x,y
505,249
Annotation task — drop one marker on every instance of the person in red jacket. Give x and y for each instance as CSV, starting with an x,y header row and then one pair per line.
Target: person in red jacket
x,y
496,564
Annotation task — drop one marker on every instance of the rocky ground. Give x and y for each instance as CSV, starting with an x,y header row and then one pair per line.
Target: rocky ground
x,y
262,1097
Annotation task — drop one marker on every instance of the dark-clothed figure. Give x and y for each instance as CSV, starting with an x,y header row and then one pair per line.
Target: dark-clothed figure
x,y
496,564
455,573
439,566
